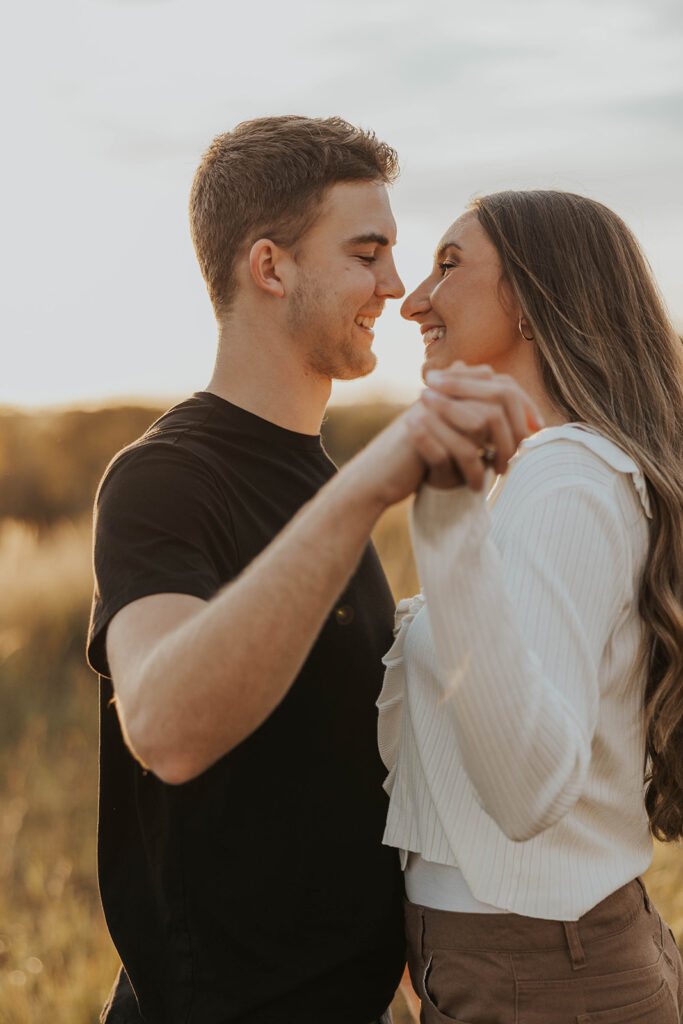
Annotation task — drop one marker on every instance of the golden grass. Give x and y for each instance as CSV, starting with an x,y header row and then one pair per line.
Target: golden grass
x,y
391,537
56,959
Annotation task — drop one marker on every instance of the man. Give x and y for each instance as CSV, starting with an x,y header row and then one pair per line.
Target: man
x,y
241,809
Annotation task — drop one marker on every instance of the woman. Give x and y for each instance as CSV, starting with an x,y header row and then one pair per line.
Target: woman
x,y
545,660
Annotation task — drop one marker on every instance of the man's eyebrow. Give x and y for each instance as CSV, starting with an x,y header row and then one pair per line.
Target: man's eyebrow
x,y
446,245
371,237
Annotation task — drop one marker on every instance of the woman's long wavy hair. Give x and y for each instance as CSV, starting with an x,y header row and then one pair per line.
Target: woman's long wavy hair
x,y
611,359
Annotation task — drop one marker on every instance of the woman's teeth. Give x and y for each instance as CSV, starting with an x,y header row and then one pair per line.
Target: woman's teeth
x,y
433,335
366,321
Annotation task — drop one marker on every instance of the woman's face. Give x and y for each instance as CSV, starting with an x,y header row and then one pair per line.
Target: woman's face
x,y
463,308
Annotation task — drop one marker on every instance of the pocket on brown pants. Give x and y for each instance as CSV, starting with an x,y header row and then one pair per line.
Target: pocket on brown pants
x,y
449,996
470,988
641,994
504,969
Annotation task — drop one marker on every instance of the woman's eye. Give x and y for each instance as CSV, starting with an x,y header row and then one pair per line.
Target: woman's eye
x,y
445,267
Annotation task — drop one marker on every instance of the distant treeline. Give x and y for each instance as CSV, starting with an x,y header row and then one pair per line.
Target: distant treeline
x,y
51,462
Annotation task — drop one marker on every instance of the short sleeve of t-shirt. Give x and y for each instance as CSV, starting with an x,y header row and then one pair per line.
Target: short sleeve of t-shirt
x,y
162,525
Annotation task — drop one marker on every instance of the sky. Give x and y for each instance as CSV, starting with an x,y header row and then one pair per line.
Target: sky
x,y
109,104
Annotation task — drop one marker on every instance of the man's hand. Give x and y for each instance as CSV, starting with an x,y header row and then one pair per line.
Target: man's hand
x,y
469,419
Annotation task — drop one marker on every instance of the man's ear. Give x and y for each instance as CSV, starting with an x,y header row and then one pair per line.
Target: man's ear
x,y
266,261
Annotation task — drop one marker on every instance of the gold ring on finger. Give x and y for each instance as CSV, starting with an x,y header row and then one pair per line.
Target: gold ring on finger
x,y
487,453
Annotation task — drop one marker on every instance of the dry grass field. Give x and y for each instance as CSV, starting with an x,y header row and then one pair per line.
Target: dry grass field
x,y
56,959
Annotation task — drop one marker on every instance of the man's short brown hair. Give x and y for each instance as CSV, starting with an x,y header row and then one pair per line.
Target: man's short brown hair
x,y
267,178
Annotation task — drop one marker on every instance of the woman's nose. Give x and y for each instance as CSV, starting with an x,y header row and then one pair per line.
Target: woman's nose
x,y
416,303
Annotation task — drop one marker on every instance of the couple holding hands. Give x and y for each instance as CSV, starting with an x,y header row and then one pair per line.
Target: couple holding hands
x,y
267,846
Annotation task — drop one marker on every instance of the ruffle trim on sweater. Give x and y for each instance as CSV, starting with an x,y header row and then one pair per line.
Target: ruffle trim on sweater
x,y
390,700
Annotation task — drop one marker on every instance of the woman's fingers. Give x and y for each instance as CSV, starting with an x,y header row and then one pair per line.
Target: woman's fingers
x,y
485,424
455,382
470,418
481,370
499,390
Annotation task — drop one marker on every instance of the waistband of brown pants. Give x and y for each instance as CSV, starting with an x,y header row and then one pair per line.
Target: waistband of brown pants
x,y
514,933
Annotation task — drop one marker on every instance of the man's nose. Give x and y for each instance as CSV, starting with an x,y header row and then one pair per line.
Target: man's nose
x,y
391,285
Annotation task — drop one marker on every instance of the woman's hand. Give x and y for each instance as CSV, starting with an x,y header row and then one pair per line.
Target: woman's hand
x,y
469,419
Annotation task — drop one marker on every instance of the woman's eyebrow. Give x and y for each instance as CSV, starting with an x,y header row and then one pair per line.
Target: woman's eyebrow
x,y
443,247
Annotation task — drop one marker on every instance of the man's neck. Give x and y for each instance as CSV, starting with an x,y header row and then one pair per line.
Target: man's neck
x,y
266,379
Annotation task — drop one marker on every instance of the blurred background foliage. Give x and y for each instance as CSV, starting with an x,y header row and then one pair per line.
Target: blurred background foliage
x,y
56,960
51,462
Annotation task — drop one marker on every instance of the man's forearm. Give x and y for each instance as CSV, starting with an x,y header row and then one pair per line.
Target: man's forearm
x,y
213,679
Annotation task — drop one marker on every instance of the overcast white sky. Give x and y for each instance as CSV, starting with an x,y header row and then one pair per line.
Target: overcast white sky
x,y
110,103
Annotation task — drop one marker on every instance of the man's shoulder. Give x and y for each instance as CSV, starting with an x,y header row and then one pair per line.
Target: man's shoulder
x,y
179,426
180,442
184,420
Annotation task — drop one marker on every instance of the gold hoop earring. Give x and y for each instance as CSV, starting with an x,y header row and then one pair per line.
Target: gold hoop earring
x,y
521,330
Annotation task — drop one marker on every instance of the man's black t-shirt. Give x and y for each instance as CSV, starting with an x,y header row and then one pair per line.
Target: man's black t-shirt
x,y
260,891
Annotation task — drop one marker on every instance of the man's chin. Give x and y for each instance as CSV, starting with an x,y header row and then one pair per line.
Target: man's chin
x,y
356,367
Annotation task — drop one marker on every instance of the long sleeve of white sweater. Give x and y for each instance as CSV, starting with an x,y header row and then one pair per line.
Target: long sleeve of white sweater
x,y
520,636
528,655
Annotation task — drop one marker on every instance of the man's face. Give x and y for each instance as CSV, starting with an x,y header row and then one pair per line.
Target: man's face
x,y
345,272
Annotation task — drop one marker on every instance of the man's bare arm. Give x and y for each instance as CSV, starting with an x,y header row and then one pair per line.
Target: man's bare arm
x,y
194,678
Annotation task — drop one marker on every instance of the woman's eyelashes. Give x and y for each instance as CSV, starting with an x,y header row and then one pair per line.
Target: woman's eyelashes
x,y
447,265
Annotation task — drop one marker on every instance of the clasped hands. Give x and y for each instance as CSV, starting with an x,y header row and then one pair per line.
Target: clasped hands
x,y
467,420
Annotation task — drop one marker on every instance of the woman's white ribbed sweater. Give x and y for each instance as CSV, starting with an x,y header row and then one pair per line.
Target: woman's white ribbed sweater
x,y
511,716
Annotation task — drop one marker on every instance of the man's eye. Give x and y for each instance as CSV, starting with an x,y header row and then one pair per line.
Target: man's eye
x,y
367,259
446,266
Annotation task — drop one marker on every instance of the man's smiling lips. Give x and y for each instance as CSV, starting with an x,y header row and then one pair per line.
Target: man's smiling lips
x,y
366,321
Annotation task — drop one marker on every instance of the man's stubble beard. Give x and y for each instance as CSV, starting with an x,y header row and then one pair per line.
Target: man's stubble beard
x,y
323,334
